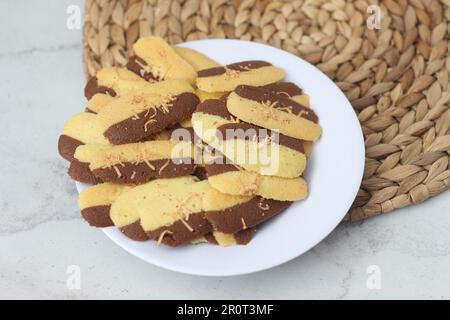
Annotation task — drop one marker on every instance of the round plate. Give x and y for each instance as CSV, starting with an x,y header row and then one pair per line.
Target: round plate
x,y
334,174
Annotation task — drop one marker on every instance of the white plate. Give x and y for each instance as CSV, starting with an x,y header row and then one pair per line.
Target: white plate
x,y
334,174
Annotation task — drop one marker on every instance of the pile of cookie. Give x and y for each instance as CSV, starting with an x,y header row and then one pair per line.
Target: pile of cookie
x,y
154,143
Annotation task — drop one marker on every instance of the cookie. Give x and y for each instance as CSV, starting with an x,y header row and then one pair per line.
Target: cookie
x,y
155,60
80,171
292,91
167,210
196,59
203,153
227,78
135,116
289,90
95,203
269,110
229,239
247,145
231,214
137,163
79,129
113,81
203,95
97,102
307,148
230,179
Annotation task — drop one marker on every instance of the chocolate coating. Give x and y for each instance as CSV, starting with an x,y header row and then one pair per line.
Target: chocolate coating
x,y
239,66
252,213
67,146
134,129
140,173
261,95
97,216
93,88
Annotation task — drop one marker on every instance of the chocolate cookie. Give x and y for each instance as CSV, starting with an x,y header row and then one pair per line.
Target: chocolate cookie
x,y
227,78
154,59
231,179
97,102
135,116
95,203
272,111
288,90
113,81
196,59
246,145
170,211
79,129
80,171
231,214
138,163
231,239
203,95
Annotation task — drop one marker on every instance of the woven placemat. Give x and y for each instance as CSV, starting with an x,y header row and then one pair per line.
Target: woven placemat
x,y
396,77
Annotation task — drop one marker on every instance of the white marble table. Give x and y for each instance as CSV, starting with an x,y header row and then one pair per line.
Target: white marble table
x,y
41,233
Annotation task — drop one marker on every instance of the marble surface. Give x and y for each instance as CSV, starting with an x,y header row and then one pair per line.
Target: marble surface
x,y
42,235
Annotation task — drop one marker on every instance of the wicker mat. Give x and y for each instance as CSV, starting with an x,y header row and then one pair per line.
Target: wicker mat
x,y
396,77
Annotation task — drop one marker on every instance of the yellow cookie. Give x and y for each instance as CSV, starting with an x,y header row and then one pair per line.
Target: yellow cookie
x,y
253,148
140,114
196,59
137,163
231,214
292,91
203,95
222,79
113,81
272,111
230,179
79,129
156,59
97,102
167,210
95,203
289,90
242,237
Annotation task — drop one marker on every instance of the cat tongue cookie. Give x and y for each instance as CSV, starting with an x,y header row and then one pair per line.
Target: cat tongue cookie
x,y
95,203
231,214
79,129
230,179
137,163
246,145
197,60
227,78
203,95
269,110
97,102
80,171
288,90
154,60
292,91
230,239
113,81
168,210
137,115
